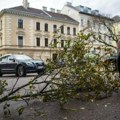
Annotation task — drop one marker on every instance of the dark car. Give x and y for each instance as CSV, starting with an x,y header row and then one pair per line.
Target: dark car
x,y
20,65
111,62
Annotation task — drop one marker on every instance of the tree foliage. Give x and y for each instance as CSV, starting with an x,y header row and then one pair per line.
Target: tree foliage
x,y
76,73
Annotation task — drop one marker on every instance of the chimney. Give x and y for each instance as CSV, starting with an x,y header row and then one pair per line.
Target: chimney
x,y
58,11
44,8
25,4
52,9
69,3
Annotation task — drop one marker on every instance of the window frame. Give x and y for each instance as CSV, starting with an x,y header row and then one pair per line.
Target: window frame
x,y
20,23
55,42
0,24
88,23
46,42
82,22
46,27
62,43
55,28
37,41
38,26
20,39
62,29
74,31
68,30
1,41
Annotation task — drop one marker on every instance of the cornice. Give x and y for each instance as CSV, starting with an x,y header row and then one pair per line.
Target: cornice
x,y
38,34
35,15
20,32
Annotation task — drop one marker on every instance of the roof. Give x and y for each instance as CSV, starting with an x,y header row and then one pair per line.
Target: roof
x,y
116,19
99,16
20,10
90,14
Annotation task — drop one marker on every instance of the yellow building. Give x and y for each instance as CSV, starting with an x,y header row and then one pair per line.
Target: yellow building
x,y
30,31
117,25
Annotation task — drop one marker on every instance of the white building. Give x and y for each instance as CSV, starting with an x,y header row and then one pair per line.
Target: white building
x,y
89,21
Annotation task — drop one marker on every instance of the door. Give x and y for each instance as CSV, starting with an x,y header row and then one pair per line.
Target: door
x,y
7,64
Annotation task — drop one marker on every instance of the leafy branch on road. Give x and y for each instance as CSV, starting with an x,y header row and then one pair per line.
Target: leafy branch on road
x,y
75,73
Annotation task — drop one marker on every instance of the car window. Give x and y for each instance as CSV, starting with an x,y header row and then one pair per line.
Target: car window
x,y
23,57
11,58
4,59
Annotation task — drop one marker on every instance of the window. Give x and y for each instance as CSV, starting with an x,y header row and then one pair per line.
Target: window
x,y
62,43
74,31
37,41
46,42
55,42
94,24
82,23
55,28
37,26
20,41
0,24
68,30
99,26
94,50
20,23
67,43
54,56
11,59
88,23
62,29
46,27
0,41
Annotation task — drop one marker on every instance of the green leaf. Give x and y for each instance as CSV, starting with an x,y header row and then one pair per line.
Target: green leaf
x,y
20,110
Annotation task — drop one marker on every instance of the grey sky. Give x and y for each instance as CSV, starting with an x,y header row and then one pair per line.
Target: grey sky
x,y
111,7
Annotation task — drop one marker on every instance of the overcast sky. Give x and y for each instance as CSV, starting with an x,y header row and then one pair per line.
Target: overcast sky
x,y
111,7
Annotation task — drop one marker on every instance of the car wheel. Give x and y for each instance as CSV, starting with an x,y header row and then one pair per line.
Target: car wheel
x,y
21,71
1,74
42,71
38,72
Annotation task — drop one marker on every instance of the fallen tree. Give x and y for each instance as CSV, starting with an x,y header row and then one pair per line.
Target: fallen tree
x,y
79,75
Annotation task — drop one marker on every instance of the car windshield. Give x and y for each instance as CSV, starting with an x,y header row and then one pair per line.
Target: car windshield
x,y
22,57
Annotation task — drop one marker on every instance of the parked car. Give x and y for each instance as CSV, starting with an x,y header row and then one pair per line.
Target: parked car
x,y
20,65
111,62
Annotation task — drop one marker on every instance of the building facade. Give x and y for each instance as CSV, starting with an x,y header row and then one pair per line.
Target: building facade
x,y
90,21
30,31
116,29
116,25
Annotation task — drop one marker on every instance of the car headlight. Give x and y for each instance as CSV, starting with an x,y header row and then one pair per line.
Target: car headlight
x,y
29,64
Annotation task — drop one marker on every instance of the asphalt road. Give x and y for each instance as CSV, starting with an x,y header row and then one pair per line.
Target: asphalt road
x,y
105,109
19,81
12,80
